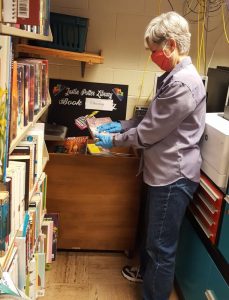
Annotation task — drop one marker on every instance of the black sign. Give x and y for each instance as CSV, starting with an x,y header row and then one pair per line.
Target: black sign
x,y
72,101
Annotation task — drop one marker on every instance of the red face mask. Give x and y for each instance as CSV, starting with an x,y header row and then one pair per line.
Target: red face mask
x,y
160,59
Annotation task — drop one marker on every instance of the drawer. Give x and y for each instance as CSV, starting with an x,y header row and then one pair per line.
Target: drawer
x,y
206,224
206,207
217,288
211,193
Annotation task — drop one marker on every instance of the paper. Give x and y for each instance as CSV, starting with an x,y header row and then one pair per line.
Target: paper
x,y
99,104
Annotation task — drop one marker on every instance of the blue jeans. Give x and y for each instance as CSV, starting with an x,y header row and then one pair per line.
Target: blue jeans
x,y
164,212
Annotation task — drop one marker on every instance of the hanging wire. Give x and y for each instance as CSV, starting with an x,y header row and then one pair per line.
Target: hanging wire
x,y
224,26
170,4
143,78
208,15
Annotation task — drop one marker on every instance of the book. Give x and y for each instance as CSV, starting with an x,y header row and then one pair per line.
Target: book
x,y
32,92
23,154
32,279
47,229
55,218
9,14
36,206
32,154
45,82
37,65
5,96
40,274
9,288
14,103
36,133
28,12
13,175
19,168
94,122
7,186
26,93
12,266
73,145
26,160
21,95
93,149
42,187
4,222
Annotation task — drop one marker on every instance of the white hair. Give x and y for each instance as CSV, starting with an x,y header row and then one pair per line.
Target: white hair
x,y
167,26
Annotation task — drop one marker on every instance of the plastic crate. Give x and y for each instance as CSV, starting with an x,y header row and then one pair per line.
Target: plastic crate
x,y
69,33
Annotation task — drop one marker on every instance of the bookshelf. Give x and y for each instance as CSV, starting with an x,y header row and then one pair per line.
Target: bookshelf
x,y
22,134
24,98
84,57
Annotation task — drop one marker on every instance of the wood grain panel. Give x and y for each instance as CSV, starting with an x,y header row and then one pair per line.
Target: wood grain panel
x,y
97,198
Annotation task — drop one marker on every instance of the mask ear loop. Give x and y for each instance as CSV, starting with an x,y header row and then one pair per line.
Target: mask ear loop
x,y
167,56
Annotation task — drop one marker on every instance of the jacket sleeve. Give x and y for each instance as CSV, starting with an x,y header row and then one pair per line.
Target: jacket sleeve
x,y
164,115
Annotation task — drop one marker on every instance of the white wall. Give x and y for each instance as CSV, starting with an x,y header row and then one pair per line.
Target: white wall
x,y
117,28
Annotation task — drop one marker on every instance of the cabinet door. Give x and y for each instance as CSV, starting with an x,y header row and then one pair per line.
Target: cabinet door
x,y
192,265
223,245
217,288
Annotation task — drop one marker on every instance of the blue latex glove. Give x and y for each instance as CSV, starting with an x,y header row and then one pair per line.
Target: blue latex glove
x,y
110,127
105,141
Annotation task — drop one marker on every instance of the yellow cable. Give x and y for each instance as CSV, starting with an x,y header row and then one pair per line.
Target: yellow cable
x,y
143,77
147,100
198,40
201,45
159,7
224,25
203,30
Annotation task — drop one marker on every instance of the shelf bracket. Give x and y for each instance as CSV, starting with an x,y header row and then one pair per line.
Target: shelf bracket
x,y
83,66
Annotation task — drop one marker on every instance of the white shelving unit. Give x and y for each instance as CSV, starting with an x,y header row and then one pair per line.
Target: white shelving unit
x,y
12,31
22,134
9,30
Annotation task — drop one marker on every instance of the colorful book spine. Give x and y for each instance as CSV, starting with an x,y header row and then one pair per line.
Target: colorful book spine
x,y
5,96
4,222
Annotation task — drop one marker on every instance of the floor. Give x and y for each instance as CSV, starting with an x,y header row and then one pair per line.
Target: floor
x,y
90,276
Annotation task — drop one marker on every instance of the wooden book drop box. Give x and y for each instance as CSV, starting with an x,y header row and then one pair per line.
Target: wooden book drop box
x,y
98,199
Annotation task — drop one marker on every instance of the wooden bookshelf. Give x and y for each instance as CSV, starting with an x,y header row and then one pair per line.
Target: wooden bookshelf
x,y
8,30
83,57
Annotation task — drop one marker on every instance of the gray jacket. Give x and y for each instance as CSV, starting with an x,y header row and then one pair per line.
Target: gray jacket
x,y
170,132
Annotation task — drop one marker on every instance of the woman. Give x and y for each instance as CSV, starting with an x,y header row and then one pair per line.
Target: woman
x,y
169,136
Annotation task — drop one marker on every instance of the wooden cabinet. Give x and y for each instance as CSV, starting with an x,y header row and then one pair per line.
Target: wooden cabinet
x,y
97,198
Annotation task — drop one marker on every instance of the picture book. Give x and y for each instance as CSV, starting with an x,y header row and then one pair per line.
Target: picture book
x,y
55,218
14,104
29,13
10,288
76,144
4,222
94,122
23,154
47,229
40,274
6,58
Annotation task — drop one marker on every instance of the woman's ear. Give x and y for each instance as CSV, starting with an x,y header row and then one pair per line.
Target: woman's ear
x,y
171,44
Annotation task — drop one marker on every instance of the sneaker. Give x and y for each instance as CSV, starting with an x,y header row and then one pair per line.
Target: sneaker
x,y
132,274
